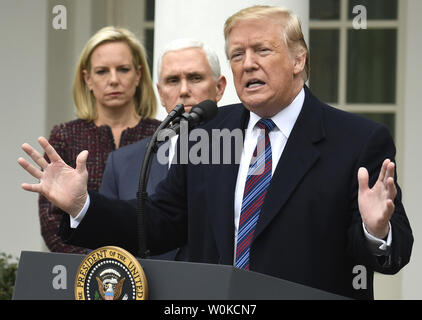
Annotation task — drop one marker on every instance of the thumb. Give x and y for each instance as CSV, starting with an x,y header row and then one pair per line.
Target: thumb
x,y
81,161
363,179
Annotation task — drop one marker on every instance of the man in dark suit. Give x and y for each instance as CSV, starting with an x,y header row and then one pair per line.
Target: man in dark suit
x,y
326,201
188,73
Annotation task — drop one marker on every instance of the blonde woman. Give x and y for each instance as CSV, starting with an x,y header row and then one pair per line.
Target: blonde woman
x,y
115,105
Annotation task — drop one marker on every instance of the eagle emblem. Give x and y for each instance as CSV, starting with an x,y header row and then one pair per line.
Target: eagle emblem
x,y
110,284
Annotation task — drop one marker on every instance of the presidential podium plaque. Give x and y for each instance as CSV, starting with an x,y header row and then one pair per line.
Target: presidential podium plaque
x,y
52,276
110,273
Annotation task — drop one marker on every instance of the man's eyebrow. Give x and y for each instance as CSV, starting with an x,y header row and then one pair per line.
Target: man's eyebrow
x,y
235,48
195,73
171,76
253,43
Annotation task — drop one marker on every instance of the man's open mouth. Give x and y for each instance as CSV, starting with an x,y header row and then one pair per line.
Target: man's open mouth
x,y
254,84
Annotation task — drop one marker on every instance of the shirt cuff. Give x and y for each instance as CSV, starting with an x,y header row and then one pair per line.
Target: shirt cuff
x,y
74,222
378,246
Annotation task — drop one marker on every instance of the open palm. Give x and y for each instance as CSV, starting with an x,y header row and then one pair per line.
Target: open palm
x,y
376,204
63,185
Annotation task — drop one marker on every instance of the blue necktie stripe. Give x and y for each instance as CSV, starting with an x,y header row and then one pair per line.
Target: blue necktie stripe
x,y
257,182
261,186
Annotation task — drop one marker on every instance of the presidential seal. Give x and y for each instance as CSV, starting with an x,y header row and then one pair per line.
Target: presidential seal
x,y
110,273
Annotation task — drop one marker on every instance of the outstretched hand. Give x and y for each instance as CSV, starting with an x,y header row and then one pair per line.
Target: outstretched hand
x,y
64,186
376,204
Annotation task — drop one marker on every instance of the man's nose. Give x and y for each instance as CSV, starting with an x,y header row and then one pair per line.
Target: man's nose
x,y
250,62
184,88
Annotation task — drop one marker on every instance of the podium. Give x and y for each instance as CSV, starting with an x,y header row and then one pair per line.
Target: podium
x,y
51,276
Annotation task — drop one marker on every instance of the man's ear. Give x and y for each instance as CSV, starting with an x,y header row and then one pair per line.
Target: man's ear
x,y
300,61
221,86
160,94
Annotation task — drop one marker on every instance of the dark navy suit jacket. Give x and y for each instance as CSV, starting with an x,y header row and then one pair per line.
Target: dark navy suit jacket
x,y
309,230
123,168
121,179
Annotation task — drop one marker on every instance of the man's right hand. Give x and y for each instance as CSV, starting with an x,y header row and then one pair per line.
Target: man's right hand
x,y
64,186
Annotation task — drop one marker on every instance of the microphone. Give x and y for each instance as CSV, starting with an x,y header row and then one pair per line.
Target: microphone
x,y
200,113
177,111
141,195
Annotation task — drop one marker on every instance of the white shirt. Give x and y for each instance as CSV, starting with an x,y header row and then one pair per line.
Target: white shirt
x,y
172,149
166,158
284,121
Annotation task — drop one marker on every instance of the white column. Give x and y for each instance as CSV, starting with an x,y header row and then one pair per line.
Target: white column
x,y
204,20
23,25
412,173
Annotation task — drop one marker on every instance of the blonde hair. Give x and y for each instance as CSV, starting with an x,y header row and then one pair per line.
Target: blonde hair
x,y
144,98
290,28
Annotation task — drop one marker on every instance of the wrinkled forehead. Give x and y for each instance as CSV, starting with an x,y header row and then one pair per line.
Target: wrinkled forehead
x,y
183,61
255,30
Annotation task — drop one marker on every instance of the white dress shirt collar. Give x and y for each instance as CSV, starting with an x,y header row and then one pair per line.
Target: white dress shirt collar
x,y
285,119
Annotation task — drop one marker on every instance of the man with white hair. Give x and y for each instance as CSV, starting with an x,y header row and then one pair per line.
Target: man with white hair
x,y
188,73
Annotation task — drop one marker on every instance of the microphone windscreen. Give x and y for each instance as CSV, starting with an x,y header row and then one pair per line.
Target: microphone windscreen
x,y
206,109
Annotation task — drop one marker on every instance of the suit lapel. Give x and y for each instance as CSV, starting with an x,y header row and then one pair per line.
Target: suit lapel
x,y
222,212
225,177
298,157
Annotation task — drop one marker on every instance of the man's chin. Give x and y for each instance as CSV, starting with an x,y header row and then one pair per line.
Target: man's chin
x,y
253,105
188,108
261,109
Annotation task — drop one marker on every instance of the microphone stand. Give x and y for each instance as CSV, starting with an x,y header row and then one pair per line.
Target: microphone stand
x,y
142,194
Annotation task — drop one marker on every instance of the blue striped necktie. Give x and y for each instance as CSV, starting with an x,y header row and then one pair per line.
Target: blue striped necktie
x,y
257,182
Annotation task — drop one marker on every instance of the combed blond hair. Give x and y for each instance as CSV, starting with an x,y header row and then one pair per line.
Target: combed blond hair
x,y
144,98
290,28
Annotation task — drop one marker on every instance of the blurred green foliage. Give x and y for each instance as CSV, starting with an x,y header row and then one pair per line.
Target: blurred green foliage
x,y
8,269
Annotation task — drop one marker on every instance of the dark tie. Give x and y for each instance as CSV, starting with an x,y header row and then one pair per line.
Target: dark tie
x,y
257,182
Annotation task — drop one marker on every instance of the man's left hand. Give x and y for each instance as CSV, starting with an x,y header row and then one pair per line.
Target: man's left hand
x,y
376,204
